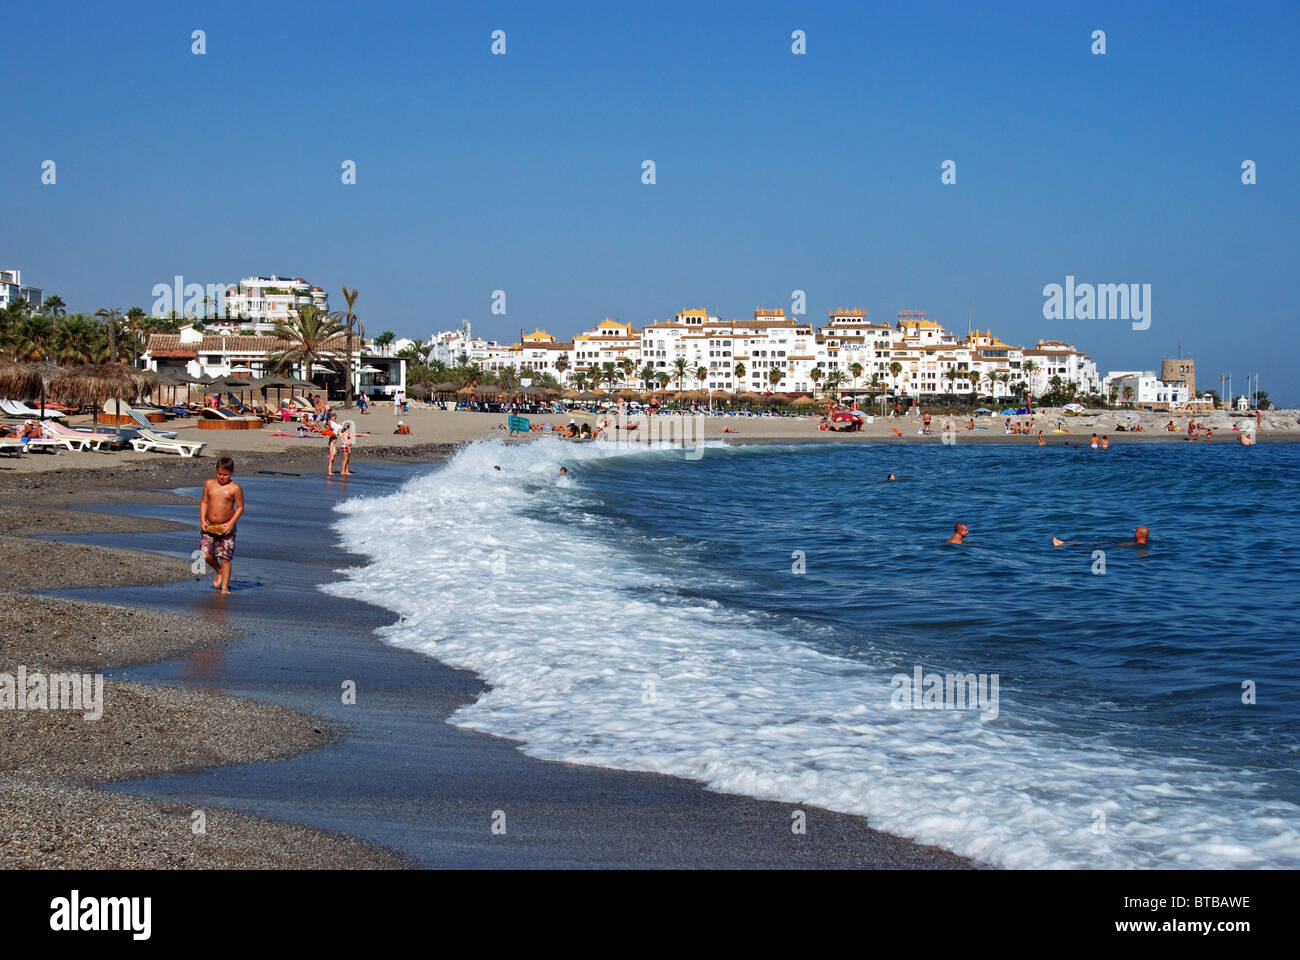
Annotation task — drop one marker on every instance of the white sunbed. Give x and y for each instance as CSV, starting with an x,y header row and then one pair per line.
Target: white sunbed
x,y
15,448
16,408
148,441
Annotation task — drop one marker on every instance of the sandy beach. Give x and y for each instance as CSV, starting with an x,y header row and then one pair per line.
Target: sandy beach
x,y
434,431
173,719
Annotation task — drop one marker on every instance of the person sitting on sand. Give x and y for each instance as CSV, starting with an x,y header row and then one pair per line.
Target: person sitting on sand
x,y
970,424
403,429
1140,536
959,533
727,430
1170,426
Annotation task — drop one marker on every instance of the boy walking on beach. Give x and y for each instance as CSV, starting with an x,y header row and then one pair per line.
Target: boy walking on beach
x,y
219,510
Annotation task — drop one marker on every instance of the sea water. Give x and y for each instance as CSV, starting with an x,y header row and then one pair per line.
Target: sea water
x,y
756,619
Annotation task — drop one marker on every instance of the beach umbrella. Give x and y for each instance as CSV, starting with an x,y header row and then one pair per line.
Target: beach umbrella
x,y
804,402
570,395
20,381
93,384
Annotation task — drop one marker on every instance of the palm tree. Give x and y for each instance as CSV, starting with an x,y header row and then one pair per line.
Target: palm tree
x,y
579,381
77,339
895,369
856,369
31,339
875,383
835,380
951,376
680,370
349,319
1030,367
647,376
54,306
1005,380
700,374
609,374
307,339
111,316
627,366
663,378
561,364
1128,394
740,370
775,376
815,374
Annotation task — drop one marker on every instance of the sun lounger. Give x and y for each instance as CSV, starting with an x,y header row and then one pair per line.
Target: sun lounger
x,y
15,408
136,417
13,448
78,440
148,441
48,444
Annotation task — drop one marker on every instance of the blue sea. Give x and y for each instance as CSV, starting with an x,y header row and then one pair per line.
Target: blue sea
x,y
783,622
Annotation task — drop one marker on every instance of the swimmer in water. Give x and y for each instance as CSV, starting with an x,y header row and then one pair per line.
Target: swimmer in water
x,y
892,477
1140,536
564,471
959,533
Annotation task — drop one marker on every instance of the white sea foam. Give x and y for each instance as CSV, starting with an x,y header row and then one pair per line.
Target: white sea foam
x,y
595,656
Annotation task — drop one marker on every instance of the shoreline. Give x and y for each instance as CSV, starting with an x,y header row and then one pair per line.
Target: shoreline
x,y
43,504
727,831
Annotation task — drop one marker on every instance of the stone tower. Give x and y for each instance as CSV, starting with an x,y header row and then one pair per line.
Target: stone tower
x,y
1173,369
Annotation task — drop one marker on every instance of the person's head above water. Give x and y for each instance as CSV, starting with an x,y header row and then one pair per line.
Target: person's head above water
x,y
564,471
959,533
892,477
1141,534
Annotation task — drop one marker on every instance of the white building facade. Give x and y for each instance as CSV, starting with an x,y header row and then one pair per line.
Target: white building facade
x,y
13,289
259,303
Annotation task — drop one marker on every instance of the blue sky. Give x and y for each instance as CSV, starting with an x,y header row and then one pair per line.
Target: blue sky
x,y
774,172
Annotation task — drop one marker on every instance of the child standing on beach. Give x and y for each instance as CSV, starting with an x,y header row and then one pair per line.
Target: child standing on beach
x,y
219,510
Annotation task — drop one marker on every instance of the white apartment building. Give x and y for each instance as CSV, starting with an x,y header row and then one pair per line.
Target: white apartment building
x,y
449,346
259,303
914,357
1055,358
1144,388
12,289
610,342
537,351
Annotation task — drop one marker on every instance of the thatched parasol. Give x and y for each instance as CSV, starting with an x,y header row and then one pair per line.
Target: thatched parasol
x,y
804,402
570,394
20,381
91,385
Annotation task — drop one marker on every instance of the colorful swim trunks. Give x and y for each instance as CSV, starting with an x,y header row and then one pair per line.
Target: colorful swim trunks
x,y
221,548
